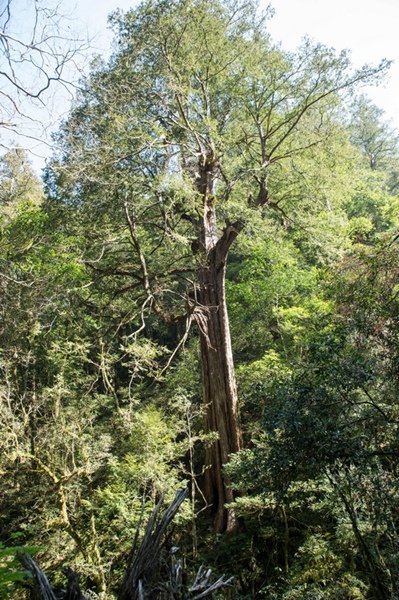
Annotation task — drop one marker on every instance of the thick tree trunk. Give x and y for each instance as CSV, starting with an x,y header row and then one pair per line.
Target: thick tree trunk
x,y
219,383
218,376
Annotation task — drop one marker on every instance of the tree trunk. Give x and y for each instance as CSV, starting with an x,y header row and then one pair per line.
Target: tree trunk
x,y
218,376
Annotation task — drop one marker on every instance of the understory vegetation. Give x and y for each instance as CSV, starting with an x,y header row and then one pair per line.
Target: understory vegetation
x,y
204,294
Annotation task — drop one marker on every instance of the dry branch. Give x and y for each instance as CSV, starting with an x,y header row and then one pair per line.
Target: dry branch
x,y
153,572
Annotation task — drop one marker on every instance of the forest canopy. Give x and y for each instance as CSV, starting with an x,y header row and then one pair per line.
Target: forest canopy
x,y
203,295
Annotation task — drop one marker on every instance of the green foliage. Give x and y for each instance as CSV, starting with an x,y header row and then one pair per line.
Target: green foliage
x,y
18,183
328,402
100,383
11,572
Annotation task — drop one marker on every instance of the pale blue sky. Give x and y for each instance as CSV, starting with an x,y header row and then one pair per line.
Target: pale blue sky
x,y
370,29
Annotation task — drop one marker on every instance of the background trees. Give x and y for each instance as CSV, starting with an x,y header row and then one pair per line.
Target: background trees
x,y
180,134
201,139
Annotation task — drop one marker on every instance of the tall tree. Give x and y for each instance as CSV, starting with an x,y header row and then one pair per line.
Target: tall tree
x,y
170,149
375,137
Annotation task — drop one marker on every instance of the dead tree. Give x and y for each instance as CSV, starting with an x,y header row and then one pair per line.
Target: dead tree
x,y
43,590
144,561
154,571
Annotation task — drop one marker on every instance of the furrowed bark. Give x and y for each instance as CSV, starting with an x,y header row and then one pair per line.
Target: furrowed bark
x,y
218,375
219,382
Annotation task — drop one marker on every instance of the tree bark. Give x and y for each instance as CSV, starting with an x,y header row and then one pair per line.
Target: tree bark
x,y
210,313
218,376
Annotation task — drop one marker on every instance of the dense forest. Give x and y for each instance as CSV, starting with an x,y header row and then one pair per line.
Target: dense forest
x,y
203,295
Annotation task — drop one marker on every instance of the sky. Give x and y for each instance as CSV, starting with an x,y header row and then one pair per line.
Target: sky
x,y
368,28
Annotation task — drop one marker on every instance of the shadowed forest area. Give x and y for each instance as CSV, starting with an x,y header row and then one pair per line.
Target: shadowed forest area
x,y
199,359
